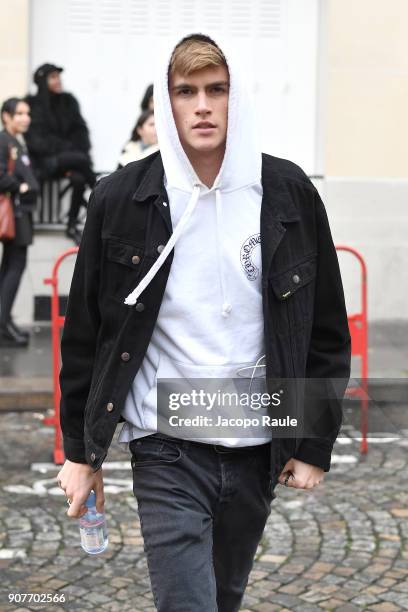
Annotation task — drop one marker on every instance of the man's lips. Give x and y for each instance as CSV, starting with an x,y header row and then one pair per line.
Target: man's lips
x,y
203,125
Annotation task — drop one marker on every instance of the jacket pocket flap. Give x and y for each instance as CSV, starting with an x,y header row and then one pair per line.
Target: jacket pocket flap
x,y
127,254
285,284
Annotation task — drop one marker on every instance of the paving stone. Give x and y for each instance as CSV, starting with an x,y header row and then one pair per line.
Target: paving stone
x,y
331,604
272,558
96,598
387,582
364,600
283,599
395,597
292,588
344,571
384,607
400,512
375,589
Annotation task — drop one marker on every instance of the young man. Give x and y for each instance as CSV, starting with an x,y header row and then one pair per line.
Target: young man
x,y
197,263
58,140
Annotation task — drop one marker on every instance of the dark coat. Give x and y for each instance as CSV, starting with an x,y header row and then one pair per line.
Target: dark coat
x,y
23,203
57,126
23,172
104,340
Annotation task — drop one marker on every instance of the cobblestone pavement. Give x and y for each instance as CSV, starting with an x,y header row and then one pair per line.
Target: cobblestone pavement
x,y
341,547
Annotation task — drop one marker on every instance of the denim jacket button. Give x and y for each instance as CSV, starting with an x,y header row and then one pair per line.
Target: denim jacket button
x,y
125,356
135,259
109,407
140,307
296,278
160,248
93,457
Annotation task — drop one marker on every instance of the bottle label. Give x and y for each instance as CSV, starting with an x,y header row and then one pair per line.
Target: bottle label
x,y
92,538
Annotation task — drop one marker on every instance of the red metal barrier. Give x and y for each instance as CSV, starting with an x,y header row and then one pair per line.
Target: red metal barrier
x,y
358,326
57,321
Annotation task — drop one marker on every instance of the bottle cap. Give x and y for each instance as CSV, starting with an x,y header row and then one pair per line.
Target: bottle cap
x,y
91,501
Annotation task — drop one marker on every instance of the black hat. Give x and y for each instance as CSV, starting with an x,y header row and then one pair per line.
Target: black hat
x,y
43,70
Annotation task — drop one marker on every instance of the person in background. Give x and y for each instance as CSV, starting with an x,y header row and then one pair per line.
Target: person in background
x,y
22,184
147,102
143,141
58,140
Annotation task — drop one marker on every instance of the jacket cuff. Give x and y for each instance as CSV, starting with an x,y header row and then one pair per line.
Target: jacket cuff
x,y
314,452
74,449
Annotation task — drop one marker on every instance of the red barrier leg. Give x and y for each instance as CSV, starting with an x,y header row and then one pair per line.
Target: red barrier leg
x,y
57,322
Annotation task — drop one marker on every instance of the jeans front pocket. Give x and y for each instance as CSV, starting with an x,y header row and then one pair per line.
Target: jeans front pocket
x,y
150,451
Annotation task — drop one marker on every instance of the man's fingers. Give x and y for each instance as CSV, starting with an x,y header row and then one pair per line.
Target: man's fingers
x,y
287,479
76,509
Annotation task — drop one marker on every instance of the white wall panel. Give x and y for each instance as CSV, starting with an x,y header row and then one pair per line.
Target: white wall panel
x,y
109,47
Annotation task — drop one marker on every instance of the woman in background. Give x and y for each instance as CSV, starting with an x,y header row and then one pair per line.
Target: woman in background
x,y
22,185
143,141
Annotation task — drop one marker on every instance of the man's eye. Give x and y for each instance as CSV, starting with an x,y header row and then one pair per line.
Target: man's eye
x,y
184,92
218,89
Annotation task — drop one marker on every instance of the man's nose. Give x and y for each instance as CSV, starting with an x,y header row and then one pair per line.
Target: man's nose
x,y
202,103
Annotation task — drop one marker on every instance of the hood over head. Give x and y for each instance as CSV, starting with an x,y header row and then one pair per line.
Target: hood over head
x,y
241,166
242,160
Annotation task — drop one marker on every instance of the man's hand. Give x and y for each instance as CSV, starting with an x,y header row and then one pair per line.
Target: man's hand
x,y
77,480
301,475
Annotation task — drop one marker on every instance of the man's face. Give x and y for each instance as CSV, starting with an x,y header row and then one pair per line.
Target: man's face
x,y
200,108
54,82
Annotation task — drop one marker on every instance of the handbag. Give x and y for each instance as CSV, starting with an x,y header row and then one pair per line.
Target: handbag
x,y
7,221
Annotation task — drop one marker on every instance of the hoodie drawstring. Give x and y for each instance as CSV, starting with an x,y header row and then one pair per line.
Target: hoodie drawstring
x,y
132,297
226,306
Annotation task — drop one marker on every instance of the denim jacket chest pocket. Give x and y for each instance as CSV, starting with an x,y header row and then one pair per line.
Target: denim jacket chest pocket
x,y
122,267
292,293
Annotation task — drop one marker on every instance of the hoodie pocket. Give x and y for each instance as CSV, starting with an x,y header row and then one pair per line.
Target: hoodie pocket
x,y
293,294
209,390
123,263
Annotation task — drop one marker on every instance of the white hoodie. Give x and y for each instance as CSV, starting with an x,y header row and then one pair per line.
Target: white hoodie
x,y
210,323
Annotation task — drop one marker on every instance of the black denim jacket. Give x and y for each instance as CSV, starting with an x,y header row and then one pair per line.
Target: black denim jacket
x,y
104,340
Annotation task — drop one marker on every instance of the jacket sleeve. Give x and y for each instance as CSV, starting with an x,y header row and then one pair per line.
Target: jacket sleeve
x,y
8,182
79,338
329,354
79,133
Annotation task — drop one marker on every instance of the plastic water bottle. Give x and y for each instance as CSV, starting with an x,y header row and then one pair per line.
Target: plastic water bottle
x,y
92,527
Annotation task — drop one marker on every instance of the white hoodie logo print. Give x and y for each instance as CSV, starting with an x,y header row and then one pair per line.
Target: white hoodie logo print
x,y
247,256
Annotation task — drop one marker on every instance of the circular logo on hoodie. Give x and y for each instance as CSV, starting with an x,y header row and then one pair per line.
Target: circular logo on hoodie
x,y
247,256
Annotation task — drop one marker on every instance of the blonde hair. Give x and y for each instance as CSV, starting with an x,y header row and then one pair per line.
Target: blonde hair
x,y
195,52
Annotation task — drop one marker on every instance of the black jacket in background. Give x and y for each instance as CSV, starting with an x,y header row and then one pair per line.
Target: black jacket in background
x,y
57,126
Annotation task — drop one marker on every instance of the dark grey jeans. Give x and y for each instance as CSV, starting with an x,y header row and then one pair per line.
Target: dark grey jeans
x,y
202,509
